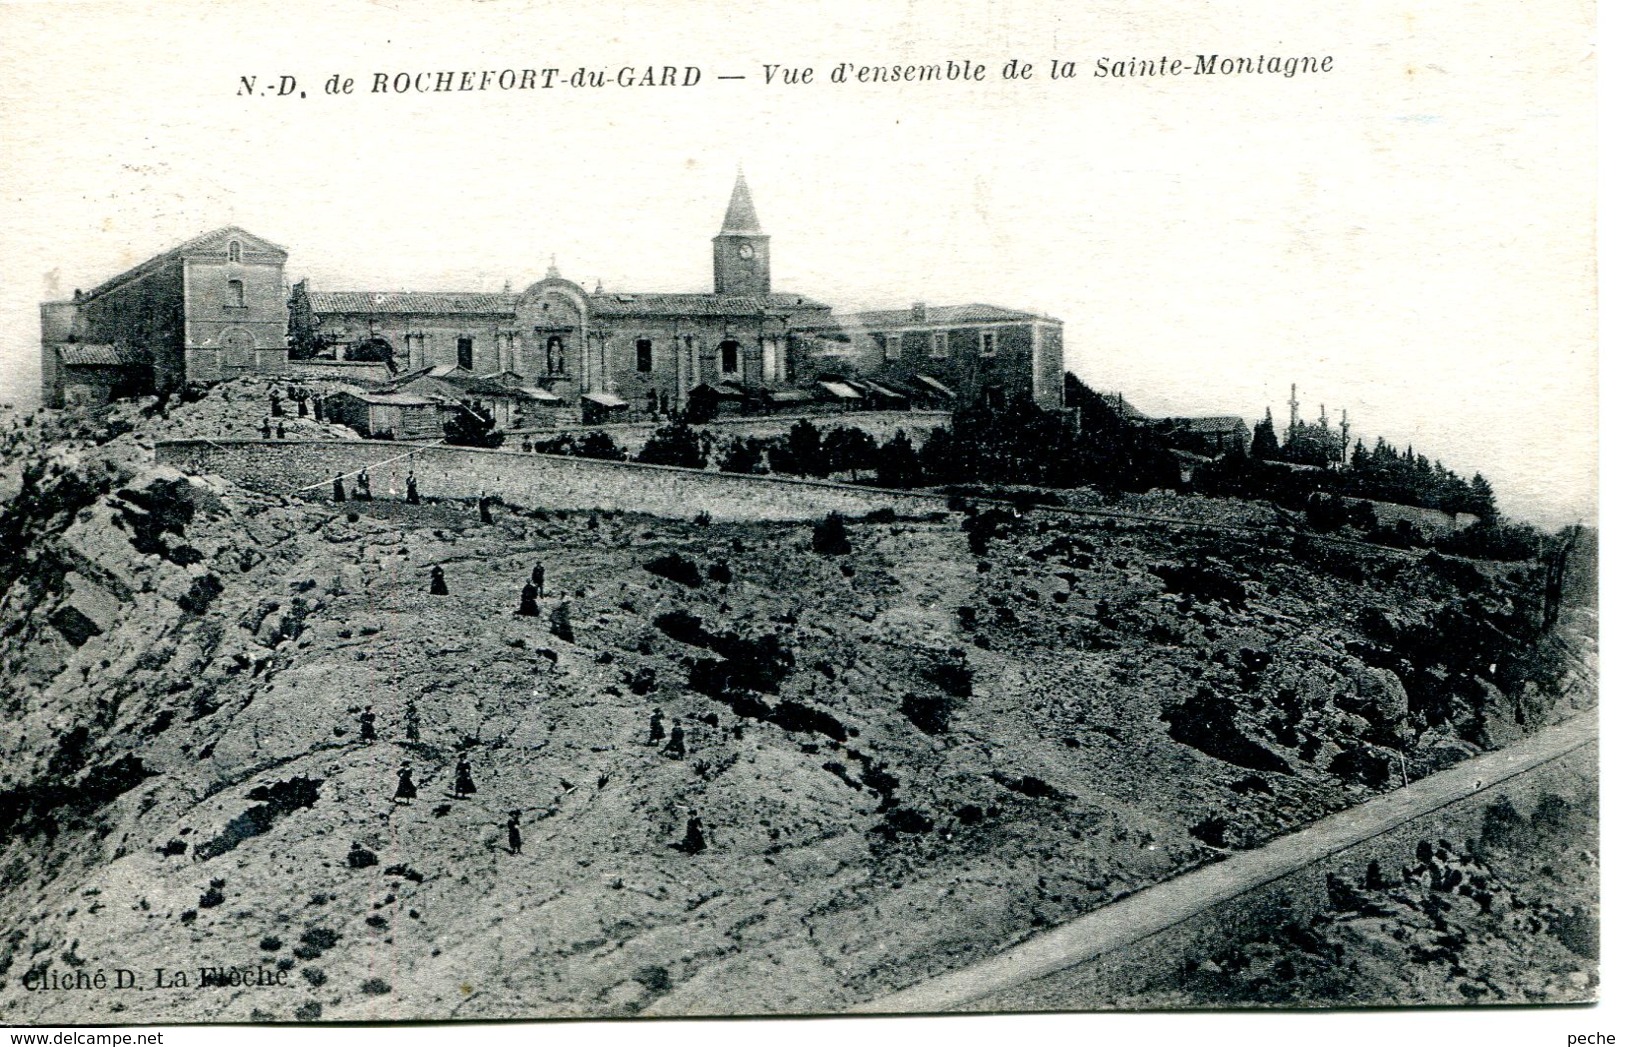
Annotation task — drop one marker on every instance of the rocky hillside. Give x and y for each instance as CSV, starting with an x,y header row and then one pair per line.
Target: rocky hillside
x,y
904,747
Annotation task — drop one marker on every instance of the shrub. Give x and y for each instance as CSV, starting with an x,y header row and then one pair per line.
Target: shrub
x,y
676,567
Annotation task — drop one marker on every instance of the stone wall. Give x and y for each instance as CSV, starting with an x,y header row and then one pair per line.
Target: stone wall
x,y
532,481
1116,978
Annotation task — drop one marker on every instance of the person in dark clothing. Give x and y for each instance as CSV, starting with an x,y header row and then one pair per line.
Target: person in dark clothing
x,y
485,508
437,582
338,488
316,406
406,790
693,837
465,779
281,431
363,487
412,488
513,832
369,725
276,405
675,748
527,602
265,429
537,577
657,728
304,408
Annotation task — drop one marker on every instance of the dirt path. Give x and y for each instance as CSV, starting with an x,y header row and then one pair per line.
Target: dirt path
x,y
1168,904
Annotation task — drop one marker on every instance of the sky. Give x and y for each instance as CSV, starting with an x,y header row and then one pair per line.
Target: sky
x,y
1408,237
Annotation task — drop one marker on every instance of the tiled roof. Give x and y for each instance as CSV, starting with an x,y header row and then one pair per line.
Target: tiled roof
x,y
79,354
441,303
935,315
221,235
1213,424
659,304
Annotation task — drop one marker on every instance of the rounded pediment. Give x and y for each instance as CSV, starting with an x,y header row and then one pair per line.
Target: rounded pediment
x,y
553,301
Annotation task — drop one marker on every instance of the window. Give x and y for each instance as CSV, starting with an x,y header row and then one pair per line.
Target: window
x,y
646,355
234,252
892,348
939,345
990,343
730,357
465,353
235,295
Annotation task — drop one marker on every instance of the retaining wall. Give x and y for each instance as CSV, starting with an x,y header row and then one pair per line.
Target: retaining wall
x,y
1115,956
532,481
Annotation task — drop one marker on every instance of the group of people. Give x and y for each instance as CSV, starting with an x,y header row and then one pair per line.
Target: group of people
x,y
363,482
306,402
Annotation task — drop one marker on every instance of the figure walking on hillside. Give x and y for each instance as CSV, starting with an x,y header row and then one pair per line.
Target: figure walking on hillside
x,y
369,725
657,728
437,582
412,724
465,779
265,429
363,487
537,576
281,431
338,488
316,407
411,488
485,508
675,748
276,405
527,602
513,832
302,409
406,790
693,837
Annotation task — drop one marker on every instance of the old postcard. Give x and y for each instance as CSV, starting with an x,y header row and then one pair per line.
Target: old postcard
x,y
521,511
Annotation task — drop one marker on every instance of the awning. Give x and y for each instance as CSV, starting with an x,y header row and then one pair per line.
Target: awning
x,y
932,384
544,395
841,391
881,390
609,400
790,396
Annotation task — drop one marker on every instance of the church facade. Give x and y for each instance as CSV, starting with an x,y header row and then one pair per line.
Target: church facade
x,y
214,308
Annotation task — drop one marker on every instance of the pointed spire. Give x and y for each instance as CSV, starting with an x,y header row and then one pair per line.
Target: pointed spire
x,y
553,267
741,216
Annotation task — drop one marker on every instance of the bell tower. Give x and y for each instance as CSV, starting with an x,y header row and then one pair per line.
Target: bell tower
x,y
739,253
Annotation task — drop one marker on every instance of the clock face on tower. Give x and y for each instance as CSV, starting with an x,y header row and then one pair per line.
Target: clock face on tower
x,y
747,251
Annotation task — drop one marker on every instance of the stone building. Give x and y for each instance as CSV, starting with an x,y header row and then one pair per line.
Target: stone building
x,y
597,348
213,308
979,352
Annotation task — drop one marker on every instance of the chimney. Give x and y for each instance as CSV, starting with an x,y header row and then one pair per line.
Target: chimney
x,y
918,312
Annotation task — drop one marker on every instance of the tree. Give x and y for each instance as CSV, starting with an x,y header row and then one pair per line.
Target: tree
x,y
1481,500
849,450
805,448
743,454
601,445
472,426
897,464
1265,445
676,444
